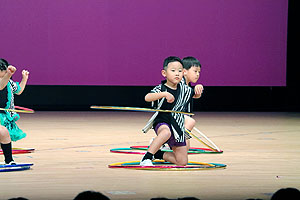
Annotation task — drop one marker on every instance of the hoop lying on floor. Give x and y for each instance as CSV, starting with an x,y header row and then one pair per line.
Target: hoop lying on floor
x,y
160,165
19,151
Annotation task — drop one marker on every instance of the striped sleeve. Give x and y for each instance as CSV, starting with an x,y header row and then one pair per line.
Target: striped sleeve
x,y
157,89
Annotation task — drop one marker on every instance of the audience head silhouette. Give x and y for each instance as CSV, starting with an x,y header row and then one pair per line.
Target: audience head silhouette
x,y
286,193
91,195
18,198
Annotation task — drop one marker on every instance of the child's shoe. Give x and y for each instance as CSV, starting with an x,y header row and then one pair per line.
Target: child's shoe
x,y
146,162
11,163
165,147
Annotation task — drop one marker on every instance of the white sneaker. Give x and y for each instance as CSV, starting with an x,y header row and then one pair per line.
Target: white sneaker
x,y
165,147
11,163
146,162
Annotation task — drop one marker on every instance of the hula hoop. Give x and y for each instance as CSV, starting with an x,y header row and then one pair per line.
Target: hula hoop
x,y
192,150
215,148
17,167
160,165
125,151
134,150
11,169
138,109
19,109
23,108
19,151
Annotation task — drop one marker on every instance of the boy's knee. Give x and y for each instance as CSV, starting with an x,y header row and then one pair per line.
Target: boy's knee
x,y
182,162
165,131
192,121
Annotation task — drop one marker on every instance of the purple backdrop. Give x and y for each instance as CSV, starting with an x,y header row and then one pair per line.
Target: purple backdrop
x,y
124,42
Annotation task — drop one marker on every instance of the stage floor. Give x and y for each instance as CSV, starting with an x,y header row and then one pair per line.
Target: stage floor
x,y
261,151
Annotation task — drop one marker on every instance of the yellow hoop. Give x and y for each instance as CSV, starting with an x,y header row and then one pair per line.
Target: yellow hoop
x,y
26,110
138,109
192,166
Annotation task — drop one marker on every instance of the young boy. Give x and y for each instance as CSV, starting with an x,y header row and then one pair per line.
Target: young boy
x,y
169,127
191,72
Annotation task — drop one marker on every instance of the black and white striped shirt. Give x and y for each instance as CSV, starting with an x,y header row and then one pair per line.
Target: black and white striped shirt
x,y
183,96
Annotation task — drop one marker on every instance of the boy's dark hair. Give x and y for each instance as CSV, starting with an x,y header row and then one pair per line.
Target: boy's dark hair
x,y
171,59
189,62
3,64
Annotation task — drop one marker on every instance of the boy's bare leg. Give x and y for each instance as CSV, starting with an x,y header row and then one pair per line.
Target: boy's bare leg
x,y
179,156
5,143
170,157
4,135
163,134
189,122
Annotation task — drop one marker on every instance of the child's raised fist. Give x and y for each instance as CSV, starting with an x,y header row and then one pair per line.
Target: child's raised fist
x,y
11,69
25,73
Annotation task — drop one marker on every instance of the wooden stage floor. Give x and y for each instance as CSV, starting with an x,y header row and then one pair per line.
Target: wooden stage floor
x,y
261,150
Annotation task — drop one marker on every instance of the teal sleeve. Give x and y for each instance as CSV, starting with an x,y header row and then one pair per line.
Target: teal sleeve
x,y
17,88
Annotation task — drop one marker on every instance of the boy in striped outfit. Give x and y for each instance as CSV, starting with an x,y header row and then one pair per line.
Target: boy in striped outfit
x,y
191,74
171,94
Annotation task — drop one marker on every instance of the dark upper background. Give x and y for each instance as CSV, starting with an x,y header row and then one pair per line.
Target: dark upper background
x,y
215,98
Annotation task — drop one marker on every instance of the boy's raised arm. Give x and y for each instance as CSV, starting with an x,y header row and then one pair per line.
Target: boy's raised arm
x,y
155,96
198,91
10,71
23,83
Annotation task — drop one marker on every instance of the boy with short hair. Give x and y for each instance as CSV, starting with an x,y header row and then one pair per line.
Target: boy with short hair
x,y
169,127
192,68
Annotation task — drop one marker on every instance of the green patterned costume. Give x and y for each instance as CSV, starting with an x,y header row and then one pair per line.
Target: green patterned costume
x,y
9,118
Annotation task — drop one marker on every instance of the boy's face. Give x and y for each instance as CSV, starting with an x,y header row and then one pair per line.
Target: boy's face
x,y
2,73
192,74
173,73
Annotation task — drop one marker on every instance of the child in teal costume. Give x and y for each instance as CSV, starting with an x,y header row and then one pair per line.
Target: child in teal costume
x,y
9,131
